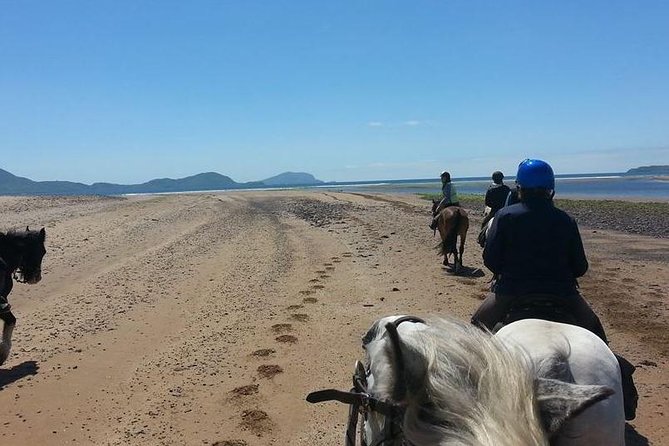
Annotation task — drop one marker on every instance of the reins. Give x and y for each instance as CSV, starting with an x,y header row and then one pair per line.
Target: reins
x,y
361,402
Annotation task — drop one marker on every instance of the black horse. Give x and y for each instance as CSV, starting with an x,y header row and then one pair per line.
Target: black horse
x,y
21,254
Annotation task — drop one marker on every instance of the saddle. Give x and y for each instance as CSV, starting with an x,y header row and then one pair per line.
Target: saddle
x,y
539,306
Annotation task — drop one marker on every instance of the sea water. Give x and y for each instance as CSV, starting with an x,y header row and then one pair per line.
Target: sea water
x,y
599,186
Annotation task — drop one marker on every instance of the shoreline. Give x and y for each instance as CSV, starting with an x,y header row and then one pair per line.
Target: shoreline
x,y
649,218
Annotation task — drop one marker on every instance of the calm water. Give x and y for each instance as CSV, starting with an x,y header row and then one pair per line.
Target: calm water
x,y
612,186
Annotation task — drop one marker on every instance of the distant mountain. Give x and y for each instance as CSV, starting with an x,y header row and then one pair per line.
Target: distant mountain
x,y
649,170
13,185
292,179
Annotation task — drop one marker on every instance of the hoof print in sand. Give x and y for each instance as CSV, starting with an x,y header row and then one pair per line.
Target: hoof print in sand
x,y
230,443
294,307
318,287
314,280
251,389
306,292
282,328
301,317
286,339
309,300
320,271
269,370
263,352
257,421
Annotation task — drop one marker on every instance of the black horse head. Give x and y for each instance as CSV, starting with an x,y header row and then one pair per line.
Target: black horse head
x,y
23,251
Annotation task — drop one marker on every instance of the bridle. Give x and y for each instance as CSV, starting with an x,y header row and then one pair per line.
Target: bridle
x,y
362,403
19,273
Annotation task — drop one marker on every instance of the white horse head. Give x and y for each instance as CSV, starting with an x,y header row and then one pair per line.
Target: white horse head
x,y
457,385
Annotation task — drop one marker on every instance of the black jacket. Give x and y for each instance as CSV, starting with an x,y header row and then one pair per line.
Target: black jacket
x,y
535,247
495,197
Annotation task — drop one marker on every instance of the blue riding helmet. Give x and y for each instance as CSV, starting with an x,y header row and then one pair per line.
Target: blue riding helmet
x,y
535,174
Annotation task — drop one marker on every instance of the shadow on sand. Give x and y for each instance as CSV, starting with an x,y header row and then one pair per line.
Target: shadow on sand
x,y
633,438
26,368
466,271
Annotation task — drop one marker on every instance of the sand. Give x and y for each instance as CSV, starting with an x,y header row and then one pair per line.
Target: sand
x,y
205,319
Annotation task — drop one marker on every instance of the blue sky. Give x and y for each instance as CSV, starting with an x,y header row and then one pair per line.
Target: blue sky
x,y
127,91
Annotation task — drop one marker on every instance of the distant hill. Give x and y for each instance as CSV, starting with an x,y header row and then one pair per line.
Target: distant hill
x,y
649,170
292,179
13,185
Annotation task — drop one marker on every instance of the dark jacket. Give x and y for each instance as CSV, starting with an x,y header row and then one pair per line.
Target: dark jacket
x,y
495,197
535,247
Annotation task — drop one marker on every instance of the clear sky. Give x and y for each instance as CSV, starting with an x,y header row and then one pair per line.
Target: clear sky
x,y
130,90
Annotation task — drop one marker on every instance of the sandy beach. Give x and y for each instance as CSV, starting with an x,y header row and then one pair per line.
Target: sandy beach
x,y
205,319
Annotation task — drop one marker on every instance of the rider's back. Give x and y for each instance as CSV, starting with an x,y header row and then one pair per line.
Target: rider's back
x,y
495,197
535,248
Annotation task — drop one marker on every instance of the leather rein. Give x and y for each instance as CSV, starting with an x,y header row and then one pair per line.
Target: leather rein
x,y
361,402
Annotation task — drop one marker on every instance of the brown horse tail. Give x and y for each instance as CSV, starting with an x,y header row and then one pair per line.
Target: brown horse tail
x,y
448,244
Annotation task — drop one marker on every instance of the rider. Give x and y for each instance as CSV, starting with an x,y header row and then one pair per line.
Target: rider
x,y
535,249
495,196
495,199
450,197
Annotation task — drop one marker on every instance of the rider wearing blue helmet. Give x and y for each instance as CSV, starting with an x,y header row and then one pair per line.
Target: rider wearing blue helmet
x,y
536,253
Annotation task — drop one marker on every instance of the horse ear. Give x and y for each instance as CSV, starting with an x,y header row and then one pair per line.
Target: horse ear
x,y
410,368
27,228
42,235
560,401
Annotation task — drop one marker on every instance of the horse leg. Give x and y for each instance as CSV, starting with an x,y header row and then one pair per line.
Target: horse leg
x,y
462,249
458,264
6,344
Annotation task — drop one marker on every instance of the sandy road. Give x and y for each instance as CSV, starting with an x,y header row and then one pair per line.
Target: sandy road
x,y
206,318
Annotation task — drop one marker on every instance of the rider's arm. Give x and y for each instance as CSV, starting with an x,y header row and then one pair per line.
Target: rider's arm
x,y
492,253
577,259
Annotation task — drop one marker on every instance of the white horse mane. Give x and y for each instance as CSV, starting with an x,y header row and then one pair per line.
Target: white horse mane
x,y
462,386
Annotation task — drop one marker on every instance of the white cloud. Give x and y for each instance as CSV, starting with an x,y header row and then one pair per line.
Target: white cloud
x,y
375,124
412,123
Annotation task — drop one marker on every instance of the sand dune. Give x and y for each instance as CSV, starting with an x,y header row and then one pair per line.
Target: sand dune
x,y
207,318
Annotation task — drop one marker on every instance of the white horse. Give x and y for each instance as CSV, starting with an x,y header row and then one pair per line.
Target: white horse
x,y
535,383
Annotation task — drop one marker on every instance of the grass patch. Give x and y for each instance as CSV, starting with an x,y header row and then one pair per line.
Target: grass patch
x,y
645,218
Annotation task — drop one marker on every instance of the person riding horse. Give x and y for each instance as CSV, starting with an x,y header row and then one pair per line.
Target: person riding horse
x,y
495,199
495,196
450,197
536,253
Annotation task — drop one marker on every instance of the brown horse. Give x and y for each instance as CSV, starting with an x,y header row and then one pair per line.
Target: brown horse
x,y
452,221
